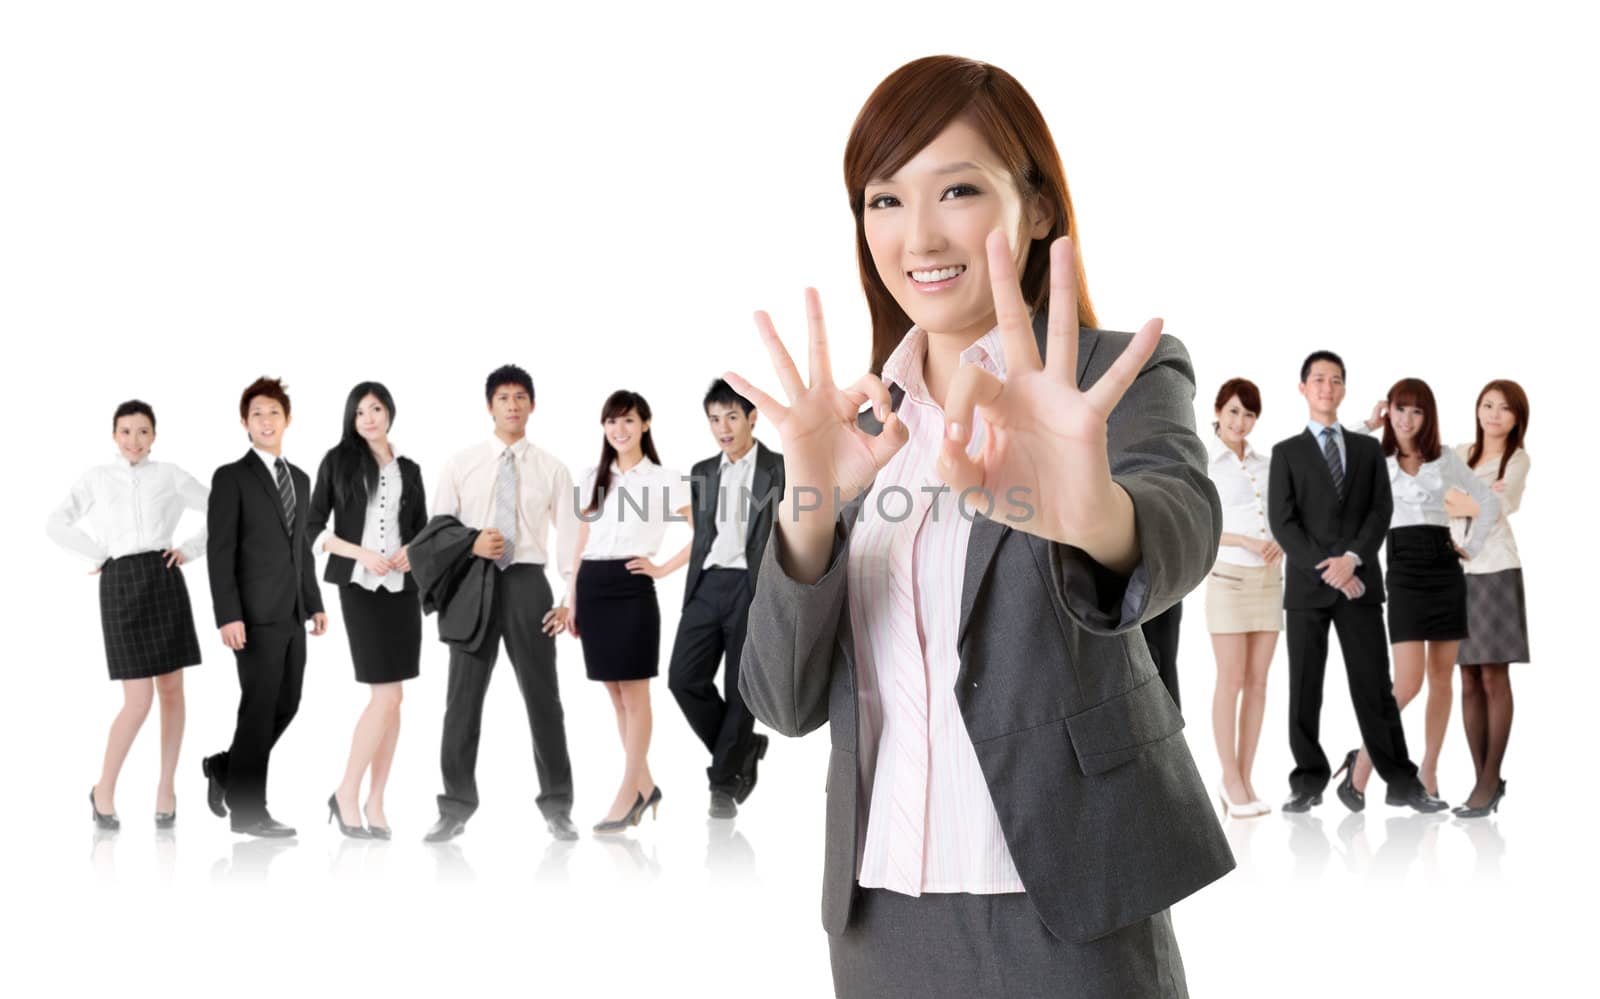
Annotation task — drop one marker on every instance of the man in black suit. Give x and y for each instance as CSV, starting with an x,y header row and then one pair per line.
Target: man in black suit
x,y
263,589
734,496
1329,506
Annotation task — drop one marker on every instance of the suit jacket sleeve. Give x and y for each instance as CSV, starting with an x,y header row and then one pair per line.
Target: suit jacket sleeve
x,y
416,506
222,546
1283,513
787,661
1160,462
321,499
1376,524
310,592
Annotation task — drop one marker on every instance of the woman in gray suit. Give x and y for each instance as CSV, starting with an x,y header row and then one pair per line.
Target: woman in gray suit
x,y
1012,807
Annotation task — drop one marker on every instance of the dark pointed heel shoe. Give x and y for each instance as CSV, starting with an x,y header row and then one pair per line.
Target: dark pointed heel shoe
x,y
653,802
1468,812
109,822
1353,799
631,818
354,832
166,820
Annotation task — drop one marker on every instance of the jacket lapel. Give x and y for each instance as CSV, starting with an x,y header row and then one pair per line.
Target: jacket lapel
x,y
1320,460
259,469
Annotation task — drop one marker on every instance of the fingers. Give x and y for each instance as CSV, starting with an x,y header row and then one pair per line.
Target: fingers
x,y
870,386
773,410
782,363
971,387
891,440
173,557
1061,347
1324,563
1010,311
1104,394
817,333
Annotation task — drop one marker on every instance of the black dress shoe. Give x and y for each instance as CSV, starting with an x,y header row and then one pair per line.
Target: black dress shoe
x,y
1416,796
1481,812
561,826
1302,801
215,792
1353,799
101,820
265,827
722,805
446,829
747,776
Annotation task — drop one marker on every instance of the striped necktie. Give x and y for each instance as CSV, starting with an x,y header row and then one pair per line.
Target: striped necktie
x,y
505,507
1330,452
285,492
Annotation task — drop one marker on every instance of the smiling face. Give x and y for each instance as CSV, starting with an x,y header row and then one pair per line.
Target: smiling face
x,y
1407,421
134,434
1496,416
625,432
372,419
733,431
925,227
266,421
510,405
1324,391
1234,422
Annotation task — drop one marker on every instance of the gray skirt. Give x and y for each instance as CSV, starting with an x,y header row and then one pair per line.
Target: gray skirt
x,y
993,947
1497,619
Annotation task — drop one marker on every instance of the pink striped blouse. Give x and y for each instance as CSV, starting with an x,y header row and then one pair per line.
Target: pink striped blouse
x,y
930,821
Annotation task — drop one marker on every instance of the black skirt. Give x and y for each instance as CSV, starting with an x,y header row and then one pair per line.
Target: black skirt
x,y
1497,612
1427,589
146,618
619,621
385,632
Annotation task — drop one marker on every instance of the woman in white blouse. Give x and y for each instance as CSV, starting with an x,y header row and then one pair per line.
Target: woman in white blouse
x,y
1426,589
1497,612
1244,596
132,506
627,500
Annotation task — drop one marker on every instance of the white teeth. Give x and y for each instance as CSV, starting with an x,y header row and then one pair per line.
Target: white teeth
x,y
942,274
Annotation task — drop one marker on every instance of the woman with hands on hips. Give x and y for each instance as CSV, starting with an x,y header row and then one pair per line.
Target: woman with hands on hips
x,y
1011,806
376,500
1244,596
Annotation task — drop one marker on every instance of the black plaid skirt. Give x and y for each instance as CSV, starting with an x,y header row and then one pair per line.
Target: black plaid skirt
x,y
145,615
1497,614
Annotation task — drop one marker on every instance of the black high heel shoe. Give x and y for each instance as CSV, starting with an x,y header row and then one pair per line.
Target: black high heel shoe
x,y
101,821
1353,799
166,820
354,832
1483,812
632,818
653,802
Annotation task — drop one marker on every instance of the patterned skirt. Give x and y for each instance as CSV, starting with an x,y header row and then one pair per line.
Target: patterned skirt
x,y
145,615
1497,617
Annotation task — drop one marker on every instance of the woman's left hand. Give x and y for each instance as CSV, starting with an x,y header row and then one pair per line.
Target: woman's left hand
x,y
174,557
1459,504
402,559
1045,444
644,567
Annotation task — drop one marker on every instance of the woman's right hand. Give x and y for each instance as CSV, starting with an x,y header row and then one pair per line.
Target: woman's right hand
x,y
1459,504
375,563
823,448
1269,550
1380,410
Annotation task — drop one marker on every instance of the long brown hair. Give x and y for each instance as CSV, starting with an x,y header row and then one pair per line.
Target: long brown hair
x,y
1518,401
907,111
1414,392
618,403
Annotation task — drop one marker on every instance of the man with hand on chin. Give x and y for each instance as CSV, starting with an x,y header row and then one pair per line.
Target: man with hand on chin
x,y
1329,508
263,589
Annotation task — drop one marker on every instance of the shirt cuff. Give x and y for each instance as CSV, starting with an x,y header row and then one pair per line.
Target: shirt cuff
x,y
1356,557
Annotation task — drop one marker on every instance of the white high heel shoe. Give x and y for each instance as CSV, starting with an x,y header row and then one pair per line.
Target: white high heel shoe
x,y
1248,810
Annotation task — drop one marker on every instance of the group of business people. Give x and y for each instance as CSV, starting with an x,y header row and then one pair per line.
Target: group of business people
x,y
478,562
1301,541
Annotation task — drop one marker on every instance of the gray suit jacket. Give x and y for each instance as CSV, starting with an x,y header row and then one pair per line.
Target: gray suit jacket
x,y
1100,803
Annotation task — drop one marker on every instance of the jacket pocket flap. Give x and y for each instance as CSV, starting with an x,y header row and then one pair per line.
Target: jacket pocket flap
x,y
1113,732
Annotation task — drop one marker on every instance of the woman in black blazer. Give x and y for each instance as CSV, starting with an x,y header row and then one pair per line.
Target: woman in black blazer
x,y
377,504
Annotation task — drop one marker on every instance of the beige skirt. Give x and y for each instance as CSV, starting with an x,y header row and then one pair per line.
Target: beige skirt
x,y
1241,598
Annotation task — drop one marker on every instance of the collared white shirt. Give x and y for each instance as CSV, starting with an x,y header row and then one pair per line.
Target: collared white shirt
x,y
130,509
1242,485
381,532
1338,441
1499,551
1419,499
734,481
930,820
544,499
634,513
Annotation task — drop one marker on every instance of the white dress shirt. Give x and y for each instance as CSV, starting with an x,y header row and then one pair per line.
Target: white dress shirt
x,y
381,532
544,499
634,514
1419,499
1499,551
1242,485
733,512
130,509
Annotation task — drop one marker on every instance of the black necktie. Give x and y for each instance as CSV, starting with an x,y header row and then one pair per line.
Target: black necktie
x,y
285,492
1330,451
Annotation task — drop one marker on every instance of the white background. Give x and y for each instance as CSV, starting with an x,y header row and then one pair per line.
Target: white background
x,y
195,194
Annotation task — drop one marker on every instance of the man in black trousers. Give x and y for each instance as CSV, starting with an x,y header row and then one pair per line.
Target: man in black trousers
x,y
263,589
1329,507
734,497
